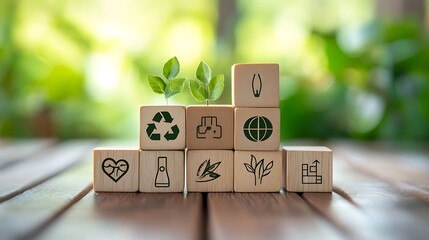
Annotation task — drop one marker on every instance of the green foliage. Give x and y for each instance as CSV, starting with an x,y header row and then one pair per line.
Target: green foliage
x,y
171,85
207,87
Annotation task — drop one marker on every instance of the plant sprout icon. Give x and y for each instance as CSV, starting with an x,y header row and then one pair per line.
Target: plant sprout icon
x,y
206,172
258,169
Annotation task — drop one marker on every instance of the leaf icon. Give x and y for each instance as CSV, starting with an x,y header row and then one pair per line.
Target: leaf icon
x,y
208,173
202,166
269,166
249,168
213,167
253,161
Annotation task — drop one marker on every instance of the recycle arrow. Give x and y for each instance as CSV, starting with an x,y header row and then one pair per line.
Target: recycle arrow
x,y
166,115
171,136
149,130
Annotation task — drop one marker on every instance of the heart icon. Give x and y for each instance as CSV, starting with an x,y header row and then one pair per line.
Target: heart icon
x,y
115,169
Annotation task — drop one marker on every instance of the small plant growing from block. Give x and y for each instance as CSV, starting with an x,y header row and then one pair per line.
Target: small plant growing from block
x,y
206,88
170,85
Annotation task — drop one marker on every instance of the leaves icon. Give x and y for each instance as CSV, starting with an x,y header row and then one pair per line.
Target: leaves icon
x,y
206,172
258,169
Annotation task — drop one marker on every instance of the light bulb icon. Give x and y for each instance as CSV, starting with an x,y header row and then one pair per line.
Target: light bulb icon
x,y
256,85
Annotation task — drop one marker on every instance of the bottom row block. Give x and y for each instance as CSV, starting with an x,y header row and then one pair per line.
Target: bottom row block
x,y
308,169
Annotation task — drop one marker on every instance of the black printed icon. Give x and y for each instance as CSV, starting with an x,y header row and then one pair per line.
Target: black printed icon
x,y
309,173
209,128
169,135
162,180
256,85
115,169
258,169
258,128
206,172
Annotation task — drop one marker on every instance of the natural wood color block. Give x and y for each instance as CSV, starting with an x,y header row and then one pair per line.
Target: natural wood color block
x,y
210,170
257,171
210,127
116,170
162,127
162,171
255,85
257,129
308,169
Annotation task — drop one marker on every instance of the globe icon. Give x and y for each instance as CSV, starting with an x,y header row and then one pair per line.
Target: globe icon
x,y
258,128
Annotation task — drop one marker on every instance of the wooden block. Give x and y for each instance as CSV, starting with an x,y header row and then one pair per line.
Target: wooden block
x,y
210,170
257,129
210,127
257,171
308,169
162,171
162,127
255,85
116,170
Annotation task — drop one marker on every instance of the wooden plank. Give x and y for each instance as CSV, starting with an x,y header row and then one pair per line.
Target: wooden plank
x,y
265,216
406,171
131,216
367,208
14,151
24,175
26,214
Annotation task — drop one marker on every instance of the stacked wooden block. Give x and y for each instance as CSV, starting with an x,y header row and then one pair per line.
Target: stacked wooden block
x,y
228,148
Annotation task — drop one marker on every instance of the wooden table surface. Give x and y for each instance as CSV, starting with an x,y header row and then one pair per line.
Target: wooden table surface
x,y
381,191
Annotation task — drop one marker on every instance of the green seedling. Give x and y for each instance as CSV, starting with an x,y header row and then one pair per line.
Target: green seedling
x,y
170,85
206,88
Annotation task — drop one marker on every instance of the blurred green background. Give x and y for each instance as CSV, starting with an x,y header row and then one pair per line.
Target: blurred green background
x,y
349,69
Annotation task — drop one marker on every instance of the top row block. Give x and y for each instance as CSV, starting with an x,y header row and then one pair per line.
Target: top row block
x,y
255,85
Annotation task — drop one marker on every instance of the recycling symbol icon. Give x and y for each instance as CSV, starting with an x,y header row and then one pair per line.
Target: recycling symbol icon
x,y
160,118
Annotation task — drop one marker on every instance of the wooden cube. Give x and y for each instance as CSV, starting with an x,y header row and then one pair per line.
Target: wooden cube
x,y
210,170
210,127
162,127
116,169
162,171
255,85
257,171
308,169
257,129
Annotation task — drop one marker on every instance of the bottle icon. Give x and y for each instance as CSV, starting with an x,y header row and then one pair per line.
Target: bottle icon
x,y
162,179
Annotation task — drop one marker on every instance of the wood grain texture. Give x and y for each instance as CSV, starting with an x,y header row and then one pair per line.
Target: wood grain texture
x,y
210,127
264,216
27,214
116,169
15,151
377,211
131,216
162,171
308,169
218,176
263,126
255,85
27,174
258,171
406,171
162,126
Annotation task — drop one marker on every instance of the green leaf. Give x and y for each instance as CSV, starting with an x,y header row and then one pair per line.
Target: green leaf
x,y
204,74
156,83
216,87
198,91
171,68
174,87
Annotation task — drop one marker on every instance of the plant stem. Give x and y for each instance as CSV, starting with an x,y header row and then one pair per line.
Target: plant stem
x,y
207,102
254,174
